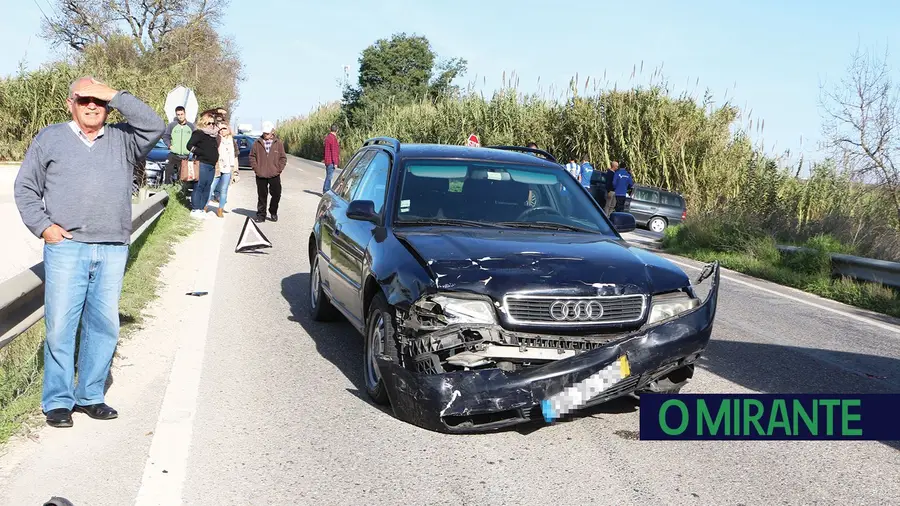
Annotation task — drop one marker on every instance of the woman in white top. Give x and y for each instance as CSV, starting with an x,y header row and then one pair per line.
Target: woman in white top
x,y
227,164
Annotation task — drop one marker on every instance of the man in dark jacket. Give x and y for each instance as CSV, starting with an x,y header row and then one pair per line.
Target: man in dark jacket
x,y
623,183
610,189
268,160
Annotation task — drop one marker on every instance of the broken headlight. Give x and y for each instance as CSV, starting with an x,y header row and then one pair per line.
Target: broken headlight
x,y
463,310
667,305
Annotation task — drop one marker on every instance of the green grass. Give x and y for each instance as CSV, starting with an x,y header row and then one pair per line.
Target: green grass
x,y
749,250
21,362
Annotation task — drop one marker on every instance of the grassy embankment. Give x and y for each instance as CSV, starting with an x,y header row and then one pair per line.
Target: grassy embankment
x,y
695,147
753,252
21,362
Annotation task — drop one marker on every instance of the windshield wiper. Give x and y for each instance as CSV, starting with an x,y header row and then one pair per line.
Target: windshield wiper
x,y
444,221
551,225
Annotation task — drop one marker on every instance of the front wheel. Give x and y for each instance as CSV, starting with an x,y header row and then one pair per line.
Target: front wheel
x,y
657,224
380,339
319,305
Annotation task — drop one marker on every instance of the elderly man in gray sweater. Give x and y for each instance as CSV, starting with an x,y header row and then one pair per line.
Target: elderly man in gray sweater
x,y
74,191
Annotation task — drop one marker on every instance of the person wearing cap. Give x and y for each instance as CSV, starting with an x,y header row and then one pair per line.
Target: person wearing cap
x,y
268,160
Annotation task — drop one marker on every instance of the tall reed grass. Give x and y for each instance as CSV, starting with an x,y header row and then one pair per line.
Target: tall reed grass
x,y
31,100
675,142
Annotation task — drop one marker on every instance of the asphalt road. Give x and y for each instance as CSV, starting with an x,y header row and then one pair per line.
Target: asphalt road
x,y
281,415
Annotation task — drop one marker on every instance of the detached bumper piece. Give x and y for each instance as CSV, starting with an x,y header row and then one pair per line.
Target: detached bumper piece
x,y
492,399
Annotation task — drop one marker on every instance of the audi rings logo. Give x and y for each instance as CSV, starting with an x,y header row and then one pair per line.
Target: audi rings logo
x,y
576,310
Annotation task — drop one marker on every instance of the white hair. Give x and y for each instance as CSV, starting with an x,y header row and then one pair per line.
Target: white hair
x,y
80,79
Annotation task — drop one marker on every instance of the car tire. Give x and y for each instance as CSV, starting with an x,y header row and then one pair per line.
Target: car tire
x,y
319,306
380,336
657,224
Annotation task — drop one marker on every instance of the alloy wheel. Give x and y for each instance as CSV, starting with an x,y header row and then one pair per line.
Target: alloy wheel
x,y
375,347
314,285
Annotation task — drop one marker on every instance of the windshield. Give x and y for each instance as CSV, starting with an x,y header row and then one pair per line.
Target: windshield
x,y
495,194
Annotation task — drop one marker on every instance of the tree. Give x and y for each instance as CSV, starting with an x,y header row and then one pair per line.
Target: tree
x,y
400,69
863,122
79,23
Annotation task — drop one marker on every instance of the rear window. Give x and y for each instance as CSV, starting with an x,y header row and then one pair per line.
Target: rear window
x,y
671,200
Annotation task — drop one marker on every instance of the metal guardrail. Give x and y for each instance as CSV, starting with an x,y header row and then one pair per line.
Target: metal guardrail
x,y
22,296
860,268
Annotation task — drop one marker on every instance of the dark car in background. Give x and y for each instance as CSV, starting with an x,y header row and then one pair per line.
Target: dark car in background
x,y
159,153
656,208
244,142
491,290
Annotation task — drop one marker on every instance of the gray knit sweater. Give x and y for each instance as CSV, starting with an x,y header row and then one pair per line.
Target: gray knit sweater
x,y
87,189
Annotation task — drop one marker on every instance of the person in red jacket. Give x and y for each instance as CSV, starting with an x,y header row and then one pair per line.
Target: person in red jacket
x,y
332,156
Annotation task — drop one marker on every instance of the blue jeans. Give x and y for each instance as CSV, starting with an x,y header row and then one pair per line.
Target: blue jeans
x,y
200,195
82,284
220,188
329,170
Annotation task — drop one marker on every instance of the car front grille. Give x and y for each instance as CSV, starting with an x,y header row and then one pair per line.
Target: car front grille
x,y
574,311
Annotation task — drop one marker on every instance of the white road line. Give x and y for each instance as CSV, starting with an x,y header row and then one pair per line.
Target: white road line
x,y
166,467
884,326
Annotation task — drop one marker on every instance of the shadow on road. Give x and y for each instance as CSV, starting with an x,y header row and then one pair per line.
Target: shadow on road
x,y
777,369
317,194
244,212
337,341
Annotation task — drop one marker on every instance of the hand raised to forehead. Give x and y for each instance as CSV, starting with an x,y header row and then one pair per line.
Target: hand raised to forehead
x,y
95,89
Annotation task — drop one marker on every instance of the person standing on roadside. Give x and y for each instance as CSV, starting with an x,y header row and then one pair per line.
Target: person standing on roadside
x,y
268,160
610,187
74,191
585,173
176,137
623,183
224,168
573,168
332,156
204,144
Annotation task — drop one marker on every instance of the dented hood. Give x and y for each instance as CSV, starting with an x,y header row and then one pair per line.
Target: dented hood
x,y
494,262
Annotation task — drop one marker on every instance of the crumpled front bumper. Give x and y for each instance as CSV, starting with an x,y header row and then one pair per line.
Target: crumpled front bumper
x,y
492,399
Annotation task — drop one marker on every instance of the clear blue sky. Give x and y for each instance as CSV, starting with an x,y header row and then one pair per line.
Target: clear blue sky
x,y
766,56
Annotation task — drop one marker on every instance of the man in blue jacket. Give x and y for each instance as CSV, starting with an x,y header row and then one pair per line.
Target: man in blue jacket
x,y
622,184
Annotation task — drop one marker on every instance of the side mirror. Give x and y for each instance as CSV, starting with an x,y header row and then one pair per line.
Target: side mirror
x,y
624,222
364,210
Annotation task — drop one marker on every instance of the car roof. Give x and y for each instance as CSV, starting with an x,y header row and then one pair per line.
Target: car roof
x,y
451,151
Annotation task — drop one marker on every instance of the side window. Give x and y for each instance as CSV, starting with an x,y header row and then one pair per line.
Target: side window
x,y
670,200
352,180
373,184
646,196
339,182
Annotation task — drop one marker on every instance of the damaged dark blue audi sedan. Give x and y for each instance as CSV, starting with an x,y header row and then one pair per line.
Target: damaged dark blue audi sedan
x,y
492,290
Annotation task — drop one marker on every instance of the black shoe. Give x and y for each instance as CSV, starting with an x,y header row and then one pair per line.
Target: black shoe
x,y
274,217
59,417
259,219
98,411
